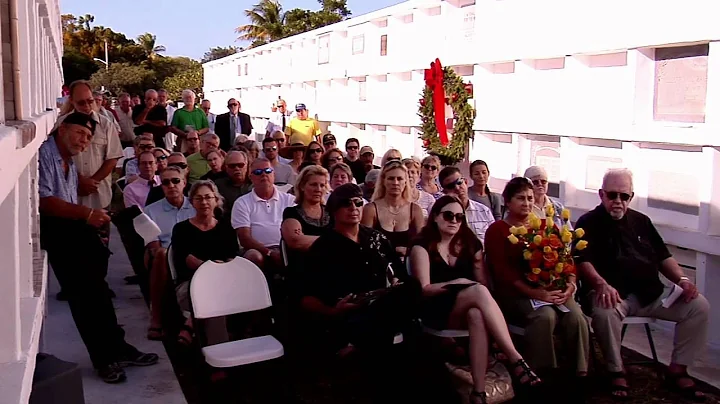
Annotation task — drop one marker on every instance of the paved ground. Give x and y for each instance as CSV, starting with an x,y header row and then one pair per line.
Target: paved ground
x,y
153,384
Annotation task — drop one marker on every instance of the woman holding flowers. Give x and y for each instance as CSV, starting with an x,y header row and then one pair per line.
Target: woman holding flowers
x,y
541,201
447,260
534,276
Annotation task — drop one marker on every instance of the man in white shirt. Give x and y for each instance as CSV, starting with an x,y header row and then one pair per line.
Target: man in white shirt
x,y
279,119
127,126
284,174
257,216
479,217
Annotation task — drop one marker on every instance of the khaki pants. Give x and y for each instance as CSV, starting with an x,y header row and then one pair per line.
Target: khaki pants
x,y
543,323
690,330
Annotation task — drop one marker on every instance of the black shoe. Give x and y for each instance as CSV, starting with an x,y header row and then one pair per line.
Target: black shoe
x,y
132,280
61,296
138,359
112,373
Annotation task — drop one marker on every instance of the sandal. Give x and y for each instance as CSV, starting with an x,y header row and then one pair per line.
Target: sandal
x,y
182,340
690,392
531,379
477,397
155,334
618,391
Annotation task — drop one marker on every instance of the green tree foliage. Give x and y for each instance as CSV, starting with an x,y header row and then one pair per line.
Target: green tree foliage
x,y
124,77
191,78
219,52
268,22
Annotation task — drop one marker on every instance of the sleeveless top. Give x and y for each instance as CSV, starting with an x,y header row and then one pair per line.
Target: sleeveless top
x,y
397,238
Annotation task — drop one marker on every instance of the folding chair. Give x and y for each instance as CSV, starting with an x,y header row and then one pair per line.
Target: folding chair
x,y
173,274
646,321
237,286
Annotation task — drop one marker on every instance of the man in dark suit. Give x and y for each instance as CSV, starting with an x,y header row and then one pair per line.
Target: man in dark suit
x,y
229,124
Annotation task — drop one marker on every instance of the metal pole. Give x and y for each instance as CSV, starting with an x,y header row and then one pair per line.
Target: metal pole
x,y
107,61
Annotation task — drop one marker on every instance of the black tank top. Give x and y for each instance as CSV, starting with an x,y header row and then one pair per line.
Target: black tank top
x,y
397,238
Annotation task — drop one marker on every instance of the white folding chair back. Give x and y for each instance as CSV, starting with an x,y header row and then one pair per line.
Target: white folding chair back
x,y
221,289
171,263
146,228
283,251
284,188
233,287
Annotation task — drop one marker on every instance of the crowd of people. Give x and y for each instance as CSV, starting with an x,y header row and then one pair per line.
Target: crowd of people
x,y
369,249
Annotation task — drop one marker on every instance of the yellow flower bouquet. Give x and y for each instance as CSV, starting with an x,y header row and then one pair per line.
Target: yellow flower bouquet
x,y
548,249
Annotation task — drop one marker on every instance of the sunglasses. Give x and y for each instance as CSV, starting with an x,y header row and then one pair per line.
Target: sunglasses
x,y
612,195
357,202
269,149
83,103
452,217
179,165
315,151
393,161
233,166
161,158
335,159
168,181
538,183
430,167
455,183
232,105
261,171
352,147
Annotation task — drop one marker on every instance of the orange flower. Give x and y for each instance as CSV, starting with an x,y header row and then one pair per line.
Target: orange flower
x,y
555,242
532,277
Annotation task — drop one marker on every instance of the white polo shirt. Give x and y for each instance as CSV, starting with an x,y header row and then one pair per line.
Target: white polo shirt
x,y
263,217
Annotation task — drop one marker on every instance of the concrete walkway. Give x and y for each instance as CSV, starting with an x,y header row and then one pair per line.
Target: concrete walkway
x,y
153,384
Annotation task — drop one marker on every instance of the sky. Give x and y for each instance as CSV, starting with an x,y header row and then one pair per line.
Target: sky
x,y
166,18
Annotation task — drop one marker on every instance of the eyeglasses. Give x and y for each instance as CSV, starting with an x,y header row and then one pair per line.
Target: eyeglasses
x,y
146,147
454,184
351,147
179,165
232,105
357,202
612,195
430,167
167,181
161,158
335,159
83,103
452,217
204,198
270,149
233,166
538,183
205,108
261,171
315,151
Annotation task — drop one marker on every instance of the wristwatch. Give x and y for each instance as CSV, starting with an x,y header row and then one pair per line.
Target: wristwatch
x,y
683,278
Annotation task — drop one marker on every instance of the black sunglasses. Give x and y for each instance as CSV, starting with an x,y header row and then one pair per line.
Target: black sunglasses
x,y
261,171
612,195
315,151
179,165
352,147
161,158
350,202
449,216
235,165
232,105
167,181
430,167
455,183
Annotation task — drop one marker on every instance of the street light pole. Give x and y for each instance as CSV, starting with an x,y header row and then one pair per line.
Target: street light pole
x,y
106,62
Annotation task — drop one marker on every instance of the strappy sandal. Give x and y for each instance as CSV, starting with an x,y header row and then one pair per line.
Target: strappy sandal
x,y
155,334
182,340
532,379
477,397
689,392
617,390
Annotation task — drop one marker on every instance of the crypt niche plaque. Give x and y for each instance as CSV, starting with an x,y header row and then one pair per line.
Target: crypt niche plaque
x,y
680,84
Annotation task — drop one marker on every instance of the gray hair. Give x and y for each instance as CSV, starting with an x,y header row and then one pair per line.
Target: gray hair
x,y
187,93
209,136
234,152
177,170
372,175
261,160
150,91
177,153
206,183
618,172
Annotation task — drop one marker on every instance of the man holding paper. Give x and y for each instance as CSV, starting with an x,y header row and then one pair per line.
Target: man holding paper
x,y
621,263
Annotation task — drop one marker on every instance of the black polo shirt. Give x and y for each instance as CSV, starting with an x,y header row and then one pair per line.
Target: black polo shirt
x,y
157,113
337,266
627,253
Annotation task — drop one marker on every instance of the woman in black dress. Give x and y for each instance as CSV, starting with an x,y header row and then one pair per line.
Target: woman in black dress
x,y
447,260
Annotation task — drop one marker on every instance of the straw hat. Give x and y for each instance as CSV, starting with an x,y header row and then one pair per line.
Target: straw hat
x,y
295,143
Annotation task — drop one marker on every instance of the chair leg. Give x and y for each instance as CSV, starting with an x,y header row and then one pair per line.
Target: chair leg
x,y
651,342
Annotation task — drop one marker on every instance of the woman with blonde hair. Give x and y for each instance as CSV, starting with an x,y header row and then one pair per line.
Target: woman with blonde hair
x,y
340,173
418,196
428,176
390,155
303,223
392,211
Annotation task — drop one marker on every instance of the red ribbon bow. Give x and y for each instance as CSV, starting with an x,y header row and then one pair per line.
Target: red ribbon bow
x,y
434,80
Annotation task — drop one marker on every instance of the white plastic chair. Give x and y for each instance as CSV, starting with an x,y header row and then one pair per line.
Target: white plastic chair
x,y
449,333
173,273
283,251
237,286
284,188
146,228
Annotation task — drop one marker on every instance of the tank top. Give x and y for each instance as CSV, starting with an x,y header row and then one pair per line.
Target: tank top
x,y
397,238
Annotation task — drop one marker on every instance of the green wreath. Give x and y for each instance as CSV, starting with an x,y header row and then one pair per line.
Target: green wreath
x,y
457,96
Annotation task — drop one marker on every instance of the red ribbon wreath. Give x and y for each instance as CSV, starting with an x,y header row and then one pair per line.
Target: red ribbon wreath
x,y
434,80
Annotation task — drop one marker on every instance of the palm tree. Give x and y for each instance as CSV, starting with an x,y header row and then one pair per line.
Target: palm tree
x,y
147,42
267,23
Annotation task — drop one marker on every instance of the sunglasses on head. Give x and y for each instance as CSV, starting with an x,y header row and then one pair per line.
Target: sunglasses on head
x,y
357,202
179,165
235,165
269,149
612,195
430,167
315,151
261,171
455,183
168,181
393,161
448,216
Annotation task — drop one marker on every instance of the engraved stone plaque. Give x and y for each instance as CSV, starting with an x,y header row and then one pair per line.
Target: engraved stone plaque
x,y
680,84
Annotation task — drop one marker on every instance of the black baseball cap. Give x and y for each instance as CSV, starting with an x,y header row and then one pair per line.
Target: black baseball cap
x,y
78,118
342,194
329,137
